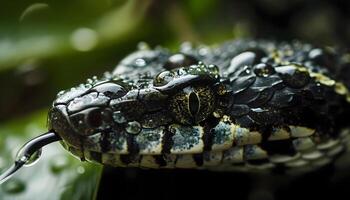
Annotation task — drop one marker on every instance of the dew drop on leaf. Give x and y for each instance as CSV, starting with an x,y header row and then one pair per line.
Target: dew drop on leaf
x,y
13,186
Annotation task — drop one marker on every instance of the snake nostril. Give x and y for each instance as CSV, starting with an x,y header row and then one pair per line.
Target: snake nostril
x,y
94,118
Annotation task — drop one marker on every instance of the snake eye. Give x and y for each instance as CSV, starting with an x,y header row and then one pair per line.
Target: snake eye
x,y
192,104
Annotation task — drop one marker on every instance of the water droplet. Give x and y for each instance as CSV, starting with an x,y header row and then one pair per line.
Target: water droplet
x,y
23,157
142,46
218,113
119,117
84,39
203,51
293,76
58,164
315,53
181,72
286,70
60,93
241,60
179,60
163,78
89,81
140,62
13,186
80,170
133,127
186,47
263,70
33,159
87,100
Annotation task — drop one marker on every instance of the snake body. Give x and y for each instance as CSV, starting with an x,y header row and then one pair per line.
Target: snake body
x,y
242,105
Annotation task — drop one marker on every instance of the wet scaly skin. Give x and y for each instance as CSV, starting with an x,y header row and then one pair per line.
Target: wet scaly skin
x,y
246,105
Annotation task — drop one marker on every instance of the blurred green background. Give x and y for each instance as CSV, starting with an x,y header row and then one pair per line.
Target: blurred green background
x,y
50,45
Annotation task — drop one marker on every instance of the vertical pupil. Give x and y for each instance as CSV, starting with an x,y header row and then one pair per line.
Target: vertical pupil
x,y
193,103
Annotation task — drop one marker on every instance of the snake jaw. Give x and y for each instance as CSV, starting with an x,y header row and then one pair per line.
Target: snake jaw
x,y
173,111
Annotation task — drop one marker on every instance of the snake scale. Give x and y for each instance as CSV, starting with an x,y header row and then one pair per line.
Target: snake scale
x,y
242,105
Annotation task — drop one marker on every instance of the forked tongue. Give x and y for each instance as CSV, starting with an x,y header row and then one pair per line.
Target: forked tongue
x,y
29,153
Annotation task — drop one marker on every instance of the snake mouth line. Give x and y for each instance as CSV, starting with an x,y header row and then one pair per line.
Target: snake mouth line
x,y
185,148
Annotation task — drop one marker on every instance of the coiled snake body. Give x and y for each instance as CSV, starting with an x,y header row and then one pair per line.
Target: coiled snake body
x,y
244,105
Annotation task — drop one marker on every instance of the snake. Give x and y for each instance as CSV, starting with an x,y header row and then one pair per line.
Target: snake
x,y
246,105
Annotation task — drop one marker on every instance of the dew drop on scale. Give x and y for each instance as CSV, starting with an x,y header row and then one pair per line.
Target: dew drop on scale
x,y
143,46
133,127
140,62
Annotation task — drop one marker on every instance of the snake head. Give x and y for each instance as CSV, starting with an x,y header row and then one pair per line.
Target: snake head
x,y
84,110
117,106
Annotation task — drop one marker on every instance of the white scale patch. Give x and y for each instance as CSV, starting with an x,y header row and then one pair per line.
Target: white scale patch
x,y
264,166
297,163
313,155
186,139
335,150
284,158
223,136
279,134
328,144
254,152
243,136
301,131
150,141
118,143
303,144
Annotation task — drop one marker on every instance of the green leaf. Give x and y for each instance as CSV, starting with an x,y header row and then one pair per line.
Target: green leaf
x,y
57,174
